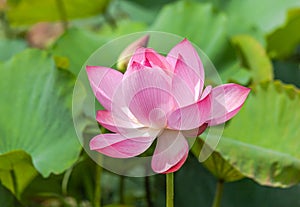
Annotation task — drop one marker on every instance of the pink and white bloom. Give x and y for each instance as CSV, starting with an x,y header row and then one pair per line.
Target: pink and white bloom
x,y
159,98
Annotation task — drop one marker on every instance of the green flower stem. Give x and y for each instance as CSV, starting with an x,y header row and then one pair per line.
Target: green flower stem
x,y
62,13
97,195
148,191
65,181
170,190
122,189
5,25
218,194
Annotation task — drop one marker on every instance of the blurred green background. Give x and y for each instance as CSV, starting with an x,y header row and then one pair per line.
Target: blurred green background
x,y
43,46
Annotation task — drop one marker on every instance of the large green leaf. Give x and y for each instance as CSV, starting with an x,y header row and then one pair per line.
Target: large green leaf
x,y
283,41
74,47
195,186
236,74
135,12
253,56
216,164
35,108
23,12
123,27
262,140
16,171
152,4
201,25
256,16
10,47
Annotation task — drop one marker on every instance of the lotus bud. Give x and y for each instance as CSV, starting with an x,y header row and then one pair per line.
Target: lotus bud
x,y
129,51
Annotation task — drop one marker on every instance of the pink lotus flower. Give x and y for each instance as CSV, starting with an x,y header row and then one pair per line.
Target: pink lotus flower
x,y
159,98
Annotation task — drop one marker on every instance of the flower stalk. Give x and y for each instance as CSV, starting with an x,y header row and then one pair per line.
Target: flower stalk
x,y
122,189
170,190
4,24
148,192
218,194
62,13
97,193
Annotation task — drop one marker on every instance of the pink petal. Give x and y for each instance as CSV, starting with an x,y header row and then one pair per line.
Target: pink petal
x,y
205,92
178,165
149,58
103,82
136,66
189,56
139,56
181,91
142,92
150,106
117,146
106,120
192,133
227,100
192,79
192,116
113,123
156,59
126,128
170,153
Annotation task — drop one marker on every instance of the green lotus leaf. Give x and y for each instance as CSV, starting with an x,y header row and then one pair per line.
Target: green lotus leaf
x,y
201,187
136,12
216,164
10,47
74,47
49,10
202,25
261,142
16,171
283,41
253,56
151,4
123,27
236,74
35,108
257,17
